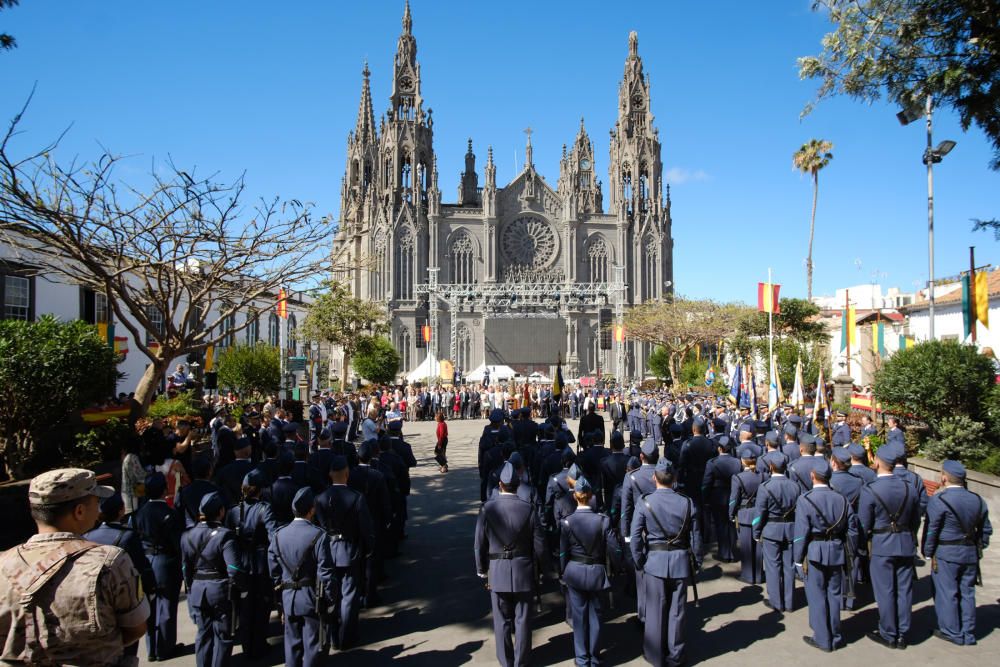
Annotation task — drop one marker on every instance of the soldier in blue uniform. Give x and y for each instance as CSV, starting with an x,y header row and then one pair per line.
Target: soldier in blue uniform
x,y
825,533
191,495
773,528
790,447
716,487
849,486
507,547
894,433
371,483
612,468
300,565
859,463
344,514
283,489
252,523
888,510
636,485
841,430
799,469
587,546
742,499
160,528
957,530
665,542
230,476
213,578
915,481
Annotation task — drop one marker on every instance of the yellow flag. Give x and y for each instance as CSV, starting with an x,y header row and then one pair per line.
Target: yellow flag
x,y
209,358
983,298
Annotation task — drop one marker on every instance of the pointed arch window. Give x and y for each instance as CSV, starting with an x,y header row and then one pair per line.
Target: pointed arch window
x,y
643,188
461,254
404,264
627,188
597,258
403,344
273,331
293,343
463,349
650,260
253,327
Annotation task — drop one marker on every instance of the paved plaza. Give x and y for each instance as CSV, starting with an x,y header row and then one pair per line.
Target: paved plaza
x,y
437,613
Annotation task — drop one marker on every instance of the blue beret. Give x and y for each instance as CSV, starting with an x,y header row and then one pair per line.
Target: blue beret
x,y
807,439
636,436
507,473
746,427
777,459
649,447
211,503
888,453
771,437
111,505
256,478
842,454
822,468
290,427
338,463
303,501
664,465
795,420
582,485
790,429
953,468
338,428
156,484
746,452
367,448
516,460
856,450
573,472
617,438
633,463
496,416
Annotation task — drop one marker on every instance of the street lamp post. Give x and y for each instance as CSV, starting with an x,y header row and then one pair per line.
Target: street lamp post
x,y
931,156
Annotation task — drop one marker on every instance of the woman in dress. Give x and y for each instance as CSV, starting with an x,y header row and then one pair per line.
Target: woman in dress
x,y
441,448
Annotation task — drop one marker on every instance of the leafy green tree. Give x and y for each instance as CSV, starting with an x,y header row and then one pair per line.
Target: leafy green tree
x,y
958,437
810,159
49,371
937,379
250,370
337,317
376,359
658,363
908,50
693,372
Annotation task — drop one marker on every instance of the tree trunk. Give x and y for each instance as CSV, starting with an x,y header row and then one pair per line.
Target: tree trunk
x,y
675,370
347,369
147,387
812,233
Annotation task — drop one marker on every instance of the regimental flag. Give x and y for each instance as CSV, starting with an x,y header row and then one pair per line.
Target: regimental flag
x,y
820,417
736,384
767,298
282,304
748,395
798,397
968,306
878,339
983,298
905,341
775,396
106,331
975,301
710,376
557,381
526,396
209,358
848,328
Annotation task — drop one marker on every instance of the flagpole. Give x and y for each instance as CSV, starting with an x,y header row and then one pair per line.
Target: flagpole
x,y
972,291
770,337
847,328
283,345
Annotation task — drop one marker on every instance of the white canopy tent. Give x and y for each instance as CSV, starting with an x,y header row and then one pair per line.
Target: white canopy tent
x,y
540,378
497,373
428,368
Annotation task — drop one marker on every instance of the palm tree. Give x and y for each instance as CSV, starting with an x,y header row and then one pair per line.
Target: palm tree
x,y
810,159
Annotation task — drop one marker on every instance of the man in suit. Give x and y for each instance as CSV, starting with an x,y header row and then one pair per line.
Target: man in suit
x,y
507,546
825,525
665,542
957,530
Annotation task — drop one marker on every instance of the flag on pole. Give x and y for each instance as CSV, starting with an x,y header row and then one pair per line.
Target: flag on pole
x,y
905,341
767,298
968,307
774,393
878,339
983,298
848,328
798,397
282,304
736,383
209,358
557,381
710,376
748,397
820,417
526,395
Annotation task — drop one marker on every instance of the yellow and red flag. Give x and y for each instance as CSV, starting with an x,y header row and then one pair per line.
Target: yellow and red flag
x,y
767,298
282,304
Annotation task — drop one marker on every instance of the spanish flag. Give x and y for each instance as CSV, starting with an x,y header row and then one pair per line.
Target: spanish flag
x,y
282,304
767,298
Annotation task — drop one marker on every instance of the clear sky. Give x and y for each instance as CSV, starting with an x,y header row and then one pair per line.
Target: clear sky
x,y
271,89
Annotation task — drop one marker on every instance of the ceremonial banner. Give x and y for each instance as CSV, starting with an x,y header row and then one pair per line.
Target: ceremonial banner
x,y
798,397
820,404
878,339
557,381
848,328
774,393
983,298
282,304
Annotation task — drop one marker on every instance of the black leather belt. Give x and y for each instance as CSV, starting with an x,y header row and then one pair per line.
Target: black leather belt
x,y
664,546
961,542
891,530
509,555
297,585
791,520
209,576
585,560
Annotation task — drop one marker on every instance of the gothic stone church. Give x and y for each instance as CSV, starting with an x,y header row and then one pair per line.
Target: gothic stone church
x,y
513,274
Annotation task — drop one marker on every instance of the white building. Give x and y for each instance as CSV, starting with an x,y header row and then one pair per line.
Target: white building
x,y
948,323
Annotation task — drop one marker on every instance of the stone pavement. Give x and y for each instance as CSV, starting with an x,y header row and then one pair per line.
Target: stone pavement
x,y
437,613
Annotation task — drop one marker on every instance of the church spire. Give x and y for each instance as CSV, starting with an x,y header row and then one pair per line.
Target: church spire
x,y
407,19
529,163
365,128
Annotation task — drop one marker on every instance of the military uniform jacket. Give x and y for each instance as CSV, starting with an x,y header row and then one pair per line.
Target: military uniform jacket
x,y
586,545
230,478
841,435
917,483
957,525
343,513
82,594
637,484
847,485
559,501
791,451
863,472
775,510
304,474
798,471
117,535
253,533
717,480
612,473
508,541
191,496
160,529
370,483
889,512
664,531
299,561
283,492
824,523
743,496
211,565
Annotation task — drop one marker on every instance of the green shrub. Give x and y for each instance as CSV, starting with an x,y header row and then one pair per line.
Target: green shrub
x,y
182,405
958,437
989,465
101,443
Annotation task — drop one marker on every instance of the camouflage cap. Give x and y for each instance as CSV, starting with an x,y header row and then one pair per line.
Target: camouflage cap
x,y
64,484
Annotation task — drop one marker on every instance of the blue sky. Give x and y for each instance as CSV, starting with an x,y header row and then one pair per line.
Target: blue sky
x,y
271,89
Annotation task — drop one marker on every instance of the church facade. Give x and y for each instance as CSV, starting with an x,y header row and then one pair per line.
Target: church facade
x,y
516,274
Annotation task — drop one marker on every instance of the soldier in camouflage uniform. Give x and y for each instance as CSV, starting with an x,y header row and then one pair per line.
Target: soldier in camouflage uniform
x,y
53,612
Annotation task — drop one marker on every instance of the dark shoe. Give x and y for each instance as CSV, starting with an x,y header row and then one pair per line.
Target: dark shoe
x,y
767,603
941,635
901,643
812,642
876,637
